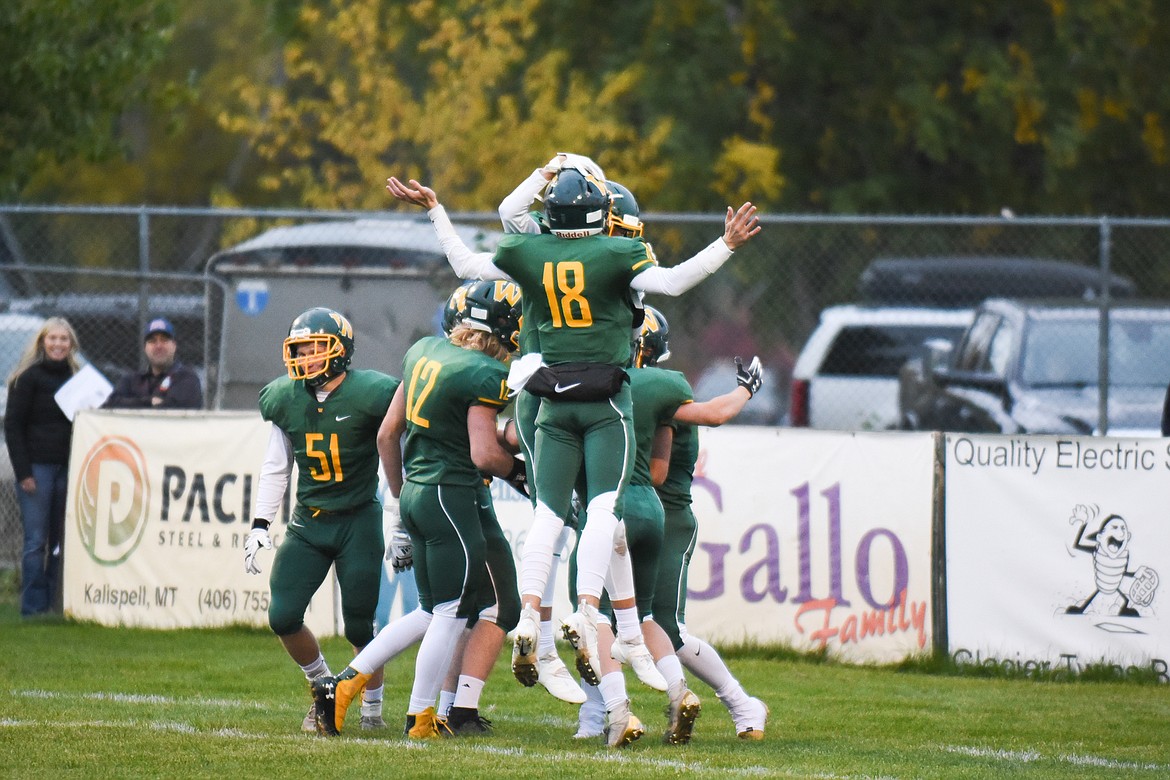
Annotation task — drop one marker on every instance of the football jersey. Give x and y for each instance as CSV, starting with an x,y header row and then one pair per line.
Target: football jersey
x,y
684,451
443,381
575,293
657,394
334,441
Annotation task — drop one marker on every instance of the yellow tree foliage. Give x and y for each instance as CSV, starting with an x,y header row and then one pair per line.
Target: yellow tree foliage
x,y
460,95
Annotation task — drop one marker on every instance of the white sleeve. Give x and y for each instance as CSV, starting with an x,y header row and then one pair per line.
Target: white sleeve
x,y
275,473
515,209
682,277
465,263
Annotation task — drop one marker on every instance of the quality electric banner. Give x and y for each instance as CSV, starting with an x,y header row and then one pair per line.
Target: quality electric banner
x,y
1056,548
159,505
818,540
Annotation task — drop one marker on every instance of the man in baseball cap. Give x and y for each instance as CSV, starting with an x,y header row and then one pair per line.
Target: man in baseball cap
x,y
166,383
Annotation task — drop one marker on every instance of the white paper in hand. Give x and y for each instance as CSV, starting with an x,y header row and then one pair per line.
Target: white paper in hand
x,y
88,389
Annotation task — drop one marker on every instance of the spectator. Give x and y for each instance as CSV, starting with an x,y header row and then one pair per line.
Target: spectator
x,y
166,384
38,434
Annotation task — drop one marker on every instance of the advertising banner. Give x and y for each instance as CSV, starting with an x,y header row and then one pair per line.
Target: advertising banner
x,y
818,540
159,505
1055,550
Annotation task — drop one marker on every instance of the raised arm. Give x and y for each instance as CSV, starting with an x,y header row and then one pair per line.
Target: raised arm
x,y
724,408
465,263
738,228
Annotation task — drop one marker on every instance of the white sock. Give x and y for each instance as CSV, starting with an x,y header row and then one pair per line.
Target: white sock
x,y
613,688
704,662
467,693
536,559
547,642
316,669
372,701
434,656
446,702
671,669
392,640
628,627
596,546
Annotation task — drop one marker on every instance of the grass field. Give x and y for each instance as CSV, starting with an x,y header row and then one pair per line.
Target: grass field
x,y
86,701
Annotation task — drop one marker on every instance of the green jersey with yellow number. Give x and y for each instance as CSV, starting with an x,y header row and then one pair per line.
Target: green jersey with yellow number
x,y
443,381
657,395
334,441
575,293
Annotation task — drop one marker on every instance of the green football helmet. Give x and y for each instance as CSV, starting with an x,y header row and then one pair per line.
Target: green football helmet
x,y
576,205
623,212
456,306
653,344
334,336
494,307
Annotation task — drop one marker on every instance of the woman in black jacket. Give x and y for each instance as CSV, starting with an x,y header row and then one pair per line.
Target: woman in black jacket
x,y
38,435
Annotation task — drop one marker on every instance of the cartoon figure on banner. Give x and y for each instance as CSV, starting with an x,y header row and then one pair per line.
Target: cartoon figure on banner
x,y
1109,546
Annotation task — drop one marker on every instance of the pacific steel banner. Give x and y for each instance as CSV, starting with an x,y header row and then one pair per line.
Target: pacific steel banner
x,y
159,505
1057,551
819,540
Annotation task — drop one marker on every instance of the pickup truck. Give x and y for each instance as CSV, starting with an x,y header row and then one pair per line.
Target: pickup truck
x,y
1031,366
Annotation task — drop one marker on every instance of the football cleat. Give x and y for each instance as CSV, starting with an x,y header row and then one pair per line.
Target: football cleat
x,y
309,724
372,722
333,695
636,655
681,714
622,727
750,719
467,722
556,679
524,647
426,725
580,630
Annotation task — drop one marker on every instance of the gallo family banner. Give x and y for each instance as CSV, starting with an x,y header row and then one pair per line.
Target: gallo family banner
x,y
159,505
1056,549
818,540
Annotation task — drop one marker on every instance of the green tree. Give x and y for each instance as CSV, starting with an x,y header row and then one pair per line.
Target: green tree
x,y
69,69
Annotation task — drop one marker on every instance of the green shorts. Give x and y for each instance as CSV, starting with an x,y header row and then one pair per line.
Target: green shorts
x,y
351,541
670,592
598,435
644,520
449,547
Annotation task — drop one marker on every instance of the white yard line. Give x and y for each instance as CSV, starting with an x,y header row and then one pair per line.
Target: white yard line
x,y
1029,756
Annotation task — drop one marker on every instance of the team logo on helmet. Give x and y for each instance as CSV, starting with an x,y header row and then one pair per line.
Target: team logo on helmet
x,y
494,307
622,219
653,344
332,334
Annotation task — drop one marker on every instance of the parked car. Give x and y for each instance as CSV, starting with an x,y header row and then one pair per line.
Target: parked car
x,y
966,281
846,377
1031,366
389,276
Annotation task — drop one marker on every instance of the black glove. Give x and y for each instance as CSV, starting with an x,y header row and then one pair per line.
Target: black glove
x,y
518,477
751,377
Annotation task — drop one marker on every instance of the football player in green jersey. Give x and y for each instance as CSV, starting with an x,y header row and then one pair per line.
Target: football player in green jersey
x,y
325,418
447,409
577,281
676,449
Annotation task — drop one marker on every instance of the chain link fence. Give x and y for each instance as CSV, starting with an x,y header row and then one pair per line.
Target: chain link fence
x,y
231,281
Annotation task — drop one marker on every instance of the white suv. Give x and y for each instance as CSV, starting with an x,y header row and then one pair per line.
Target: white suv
x,y
846,377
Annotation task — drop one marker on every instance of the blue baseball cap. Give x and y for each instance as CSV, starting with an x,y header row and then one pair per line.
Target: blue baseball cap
x,y
159,325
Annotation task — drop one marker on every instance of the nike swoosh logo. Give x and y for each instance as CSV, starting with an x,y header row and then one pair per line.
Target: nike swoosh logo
x,y
339,418
294,524
560,389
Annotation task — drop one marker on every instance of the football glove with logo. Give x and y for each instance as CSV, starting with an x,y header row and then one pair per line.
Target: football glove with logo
x,y
256,539
750,378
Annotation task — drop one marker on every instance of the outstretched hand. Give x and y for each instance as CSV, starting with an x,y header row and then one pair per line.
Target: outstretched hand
x,y
739,226
416,193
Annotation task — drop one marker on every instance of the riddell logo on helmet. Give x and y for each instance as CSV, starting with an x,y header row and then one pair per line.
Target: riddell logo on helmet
x,y
576,233
112,497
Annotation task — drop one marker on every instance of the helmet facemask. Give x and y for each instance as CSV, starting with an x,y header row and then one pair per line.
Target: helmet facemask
x,y
319,367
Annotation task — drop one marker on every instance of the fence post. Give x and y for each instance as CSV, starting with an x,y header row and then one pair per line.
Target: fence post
x,y
143,267
1104,249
